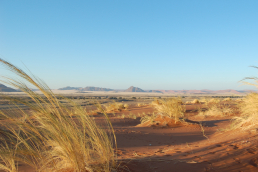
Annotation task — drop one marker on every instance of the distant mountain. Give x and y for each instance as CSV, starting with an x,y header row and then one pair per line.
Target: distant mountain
x,y
69,88
154,91
4,88
205,91
134,89
95,89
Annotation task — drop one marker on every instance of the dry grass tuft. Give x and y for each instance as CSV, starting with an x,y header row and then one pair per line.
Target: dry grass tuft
x,y
226,99
113,107
195,101
53,137
214,100
249,113
172,108
216,110
126,106
139,104
155,102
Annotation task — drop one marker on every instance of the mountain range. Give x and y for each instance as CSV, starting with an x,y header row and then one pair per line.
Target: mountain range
x,y
137,89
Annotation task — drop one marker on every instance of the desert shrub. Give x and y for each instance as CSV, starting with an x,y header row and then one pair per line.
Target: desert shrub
x,y
195,101
171,107
50,138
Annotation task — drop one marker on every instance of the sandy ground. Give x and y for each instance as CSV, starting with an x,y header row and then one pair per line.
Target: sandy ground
x,y
183,148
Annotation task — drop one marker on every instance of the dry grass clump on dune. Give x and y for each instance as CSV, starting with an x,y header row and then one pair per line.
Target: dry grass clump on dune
x,y
195,101
249,113
249,110
140,104
53,137
172,108
216,110
155,102
113,107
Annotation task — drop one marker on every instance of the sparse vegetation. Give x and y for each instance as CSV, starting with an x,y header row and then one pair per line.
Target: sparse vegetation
x,y
171,108
214,100
227,99
52,137
216,109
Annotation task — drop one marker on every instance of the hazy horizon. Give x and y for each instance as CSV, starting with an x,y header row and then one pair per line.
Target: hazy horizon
x,y
168,45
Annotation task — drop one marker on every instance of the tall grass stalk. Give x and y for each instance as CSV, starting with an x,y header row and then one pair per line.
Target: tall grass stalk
x,y
53,137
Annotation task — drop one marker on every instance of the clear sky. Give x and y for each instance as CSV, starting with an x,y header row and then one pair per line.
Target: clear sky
x,y
180,44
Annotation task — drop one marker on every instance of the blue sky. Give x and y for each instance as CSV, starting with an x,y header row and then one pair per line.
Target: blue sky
x,y
150,44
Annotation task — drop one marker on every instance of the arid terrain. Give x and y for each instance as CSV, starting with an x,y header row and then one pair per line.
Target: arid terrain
x,y
203,144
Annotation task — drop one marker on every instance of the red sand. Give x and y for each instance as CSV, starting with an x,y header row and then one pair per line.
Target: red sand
x,y
182,148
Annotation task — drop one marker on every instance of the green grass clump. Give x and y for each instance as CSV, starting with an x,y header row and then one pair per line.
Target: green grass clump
x,y
52,137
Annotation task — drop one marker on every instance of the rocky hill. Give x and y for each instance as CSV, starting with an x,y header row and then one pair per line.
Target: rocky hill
x,y
95,89
4,88
69,88
134,89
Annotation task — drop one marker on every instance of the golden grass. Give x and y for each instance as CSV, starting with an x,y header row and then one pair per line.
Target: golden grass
x,y
53,137
126,106
249,113
214,100
148,117
227,99
155,102
113,107
195,101
216,110
172,108
139,104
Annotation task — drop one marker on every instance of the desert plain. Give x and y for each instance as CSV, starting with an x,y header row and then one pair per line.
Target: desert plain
x,y
201,144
